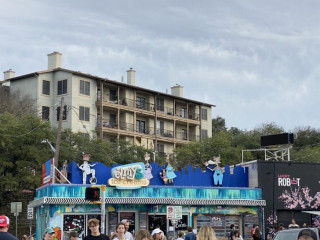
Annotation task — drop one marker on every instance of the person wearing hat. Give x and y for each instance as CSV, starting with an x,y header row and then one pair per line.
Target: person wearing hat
x,y
4,227
156,234
307,234
48,234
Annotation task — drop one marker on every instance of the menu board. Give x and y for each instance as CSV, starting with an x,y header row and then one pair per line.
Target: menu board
x,y
73,223
249,220
220,223
143,220
113,221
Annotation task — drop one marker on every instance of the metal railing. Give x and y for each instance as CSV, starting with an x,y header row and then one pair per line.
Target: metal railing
x,y
166,110
194,137
145,106
126,126
181,135
109,123
145,130
194,116
126,102
165,133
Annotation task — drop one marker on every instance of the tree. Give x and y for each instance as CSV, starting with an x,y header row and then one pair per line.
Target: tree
x,y
21,154
16,103
218,124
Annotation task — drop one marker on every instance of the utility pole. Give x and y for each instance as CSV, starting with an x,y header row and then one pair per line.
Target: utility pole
x,y
56,155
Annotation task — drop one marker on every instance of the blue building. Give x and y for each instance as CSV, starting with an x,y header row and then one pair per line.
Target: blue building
x,y
144,202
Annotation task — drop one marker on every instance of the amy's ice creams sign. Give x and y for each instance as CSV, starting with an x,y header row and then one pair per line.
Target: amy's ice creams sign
x,y
285,180
129,176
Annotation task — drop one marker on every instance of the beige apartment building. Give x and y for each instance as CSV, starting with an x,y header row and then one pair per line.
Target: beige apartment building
x,y
113,110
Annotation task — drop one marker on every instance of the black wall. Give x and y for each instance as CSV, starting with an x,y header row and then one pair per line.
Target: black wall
x,y
288,189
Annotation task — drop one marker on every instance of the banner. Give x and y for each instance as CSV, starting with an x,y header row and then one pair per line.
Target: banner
x,y
47,172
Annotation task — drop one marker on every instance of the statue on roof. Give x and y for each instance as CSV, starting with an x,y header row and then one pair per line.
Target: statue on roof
x,y
87,169
218,171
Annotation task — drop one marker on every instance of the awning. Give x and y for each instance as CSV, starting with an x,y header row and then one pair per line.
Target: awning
x,y
312,212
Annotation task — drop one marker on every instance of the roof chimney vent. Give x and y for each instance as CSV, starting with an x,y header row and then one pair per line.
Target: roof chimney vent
x,y
8,74
54,60
131,77
177,90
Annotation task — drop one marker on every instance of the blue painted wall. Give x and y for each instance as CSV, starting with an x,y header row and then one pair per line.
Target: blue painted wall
x,y
186,177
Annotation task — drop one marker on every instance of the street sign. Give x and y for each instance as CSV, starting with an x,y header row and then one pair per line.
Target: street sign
x,y
30,213
178,212
174,212
16,207
170,212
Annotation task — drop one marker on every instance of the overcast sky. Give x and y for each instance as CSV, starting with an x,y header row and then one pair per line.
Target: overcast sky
x,y
257,61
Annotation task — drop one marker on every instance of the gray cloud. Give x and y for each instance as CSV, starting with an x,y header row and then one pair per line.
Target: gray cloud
x,y
257,61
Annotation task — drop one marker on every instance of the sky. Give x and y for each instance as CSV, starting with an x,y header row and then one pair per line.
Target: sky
x,y
257,61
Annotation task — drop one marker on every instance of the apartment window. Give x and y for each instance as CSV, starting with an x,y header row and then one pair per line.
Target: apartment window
x,y
160,104
84,113
184,112
141,102
45,113
84,87
64,114
113,120
184,134
204,133
160,127
62,87
204,114
140,126
113,95
160,148
46,87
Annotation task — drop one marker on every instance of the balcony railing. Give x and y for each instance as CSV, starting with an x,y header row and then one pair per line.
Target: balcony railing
x,y
165,133
194,137
126,102
145,130
194,116
109,123
145,106
181,135
166,110
126,126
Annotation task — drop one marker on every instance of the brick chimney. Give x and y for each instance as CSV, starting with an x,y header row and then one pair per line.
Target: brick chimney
x,y
177,90
8,74
131,77
54,60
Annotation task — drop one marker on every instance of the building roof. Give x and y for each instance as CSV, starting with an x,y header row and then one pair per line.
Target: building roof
x,y
108,81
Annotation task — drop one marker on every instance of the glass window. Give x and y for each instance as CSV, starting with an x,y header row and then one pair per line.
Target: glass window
x,y
160,104
160,148
62,87
45,87
141,102
204,114
84,114
64,114
84,87
45,113
204,133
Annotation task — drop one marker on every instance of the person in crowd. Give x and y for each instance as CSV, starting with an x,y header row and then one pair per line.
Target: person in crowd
x,y
4,227
190,235
127,226
271,233
307,234
24,237
73,235
156,234
231,234
48,234
252,230
120,233
281,226
180,236
293,224
143,235
93,224
163,237
206,233
257,234
237,235
304,225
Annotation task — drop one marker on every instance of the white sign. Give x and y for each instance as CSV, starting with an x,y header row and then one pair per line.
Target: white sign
x,y
30,213
16,207
174,212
